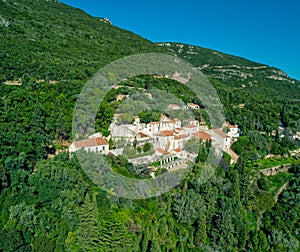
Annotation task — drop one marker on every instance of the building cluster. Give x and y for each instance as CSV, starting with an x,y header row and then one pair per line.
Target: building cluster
x,y
168,136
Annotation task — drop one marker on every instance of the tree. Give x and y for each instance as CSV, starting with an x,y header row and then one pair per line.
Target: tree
x,y
126,118
200,235
192,145
111,143
86,236
3,176
147,147
43,243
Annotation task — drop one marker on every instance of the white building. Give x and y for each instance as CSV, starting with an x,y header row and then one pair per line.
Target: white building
x,y
152,128
193,122
142,137
190,129
164,140
233,130
98,144
203,136
192,106
203,126
179,141
160,152
221,139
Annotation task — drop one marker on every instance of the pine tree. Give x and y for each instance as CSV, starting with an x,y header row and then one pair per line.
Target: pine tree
x,y
86,236
145,241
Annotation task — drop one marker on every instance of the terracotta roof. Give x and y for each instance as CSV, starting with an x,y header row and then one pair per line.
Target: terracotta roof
x,y
143,135
178,150
170,121
192,105
154,123
203,135
231,126
176,120
164,152
220,133
181,136
90,142
166,133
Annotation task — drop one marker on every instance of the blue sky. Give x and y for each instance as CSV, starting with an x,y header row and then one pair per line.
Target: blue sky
x,y
263,31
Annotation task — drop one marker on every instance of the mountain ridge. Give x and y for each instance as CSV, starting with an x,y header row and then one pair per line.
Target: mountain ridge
x,y
210,57
14,15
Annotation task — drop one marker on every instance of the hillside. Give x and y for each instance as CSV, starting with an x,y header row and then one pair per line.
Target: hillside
x,y
230,68
254,94
48,203
50,40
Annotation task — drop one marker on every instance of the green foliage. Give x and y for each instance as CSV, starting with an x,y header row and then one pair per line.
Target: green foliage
x,y
280,223
192,145
149,116
86,235
125,119
52,205
147,147
73,46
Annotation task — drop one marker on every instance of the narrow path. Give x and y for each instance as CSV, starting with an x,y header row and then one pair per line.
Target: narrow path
x,y
234,156
281,189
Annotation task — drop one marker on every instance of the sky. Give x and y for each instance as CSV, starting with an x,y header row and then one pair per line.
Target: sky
x,y
263,31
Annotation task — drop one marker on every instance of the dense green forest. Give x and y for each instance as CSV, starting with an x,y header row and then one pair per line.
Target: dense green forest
x,y
48,203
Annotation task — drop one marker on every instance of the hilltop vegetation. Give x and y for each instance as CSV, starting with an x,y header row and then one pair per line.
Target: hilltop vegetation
x,y
52,41
255,96
49,204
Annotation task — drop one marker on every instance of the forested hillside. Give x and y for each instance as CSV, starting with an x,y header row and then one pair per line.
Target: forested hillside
x,y
52,41
47,202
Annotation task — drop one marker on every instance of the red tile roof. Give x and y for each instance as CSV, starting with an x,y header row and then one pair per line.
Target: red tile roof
x,y
181,136
164,152
99,141
231,126
178,150
203,135
192,105
143,135
220,133
166,133
170,121
154,122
